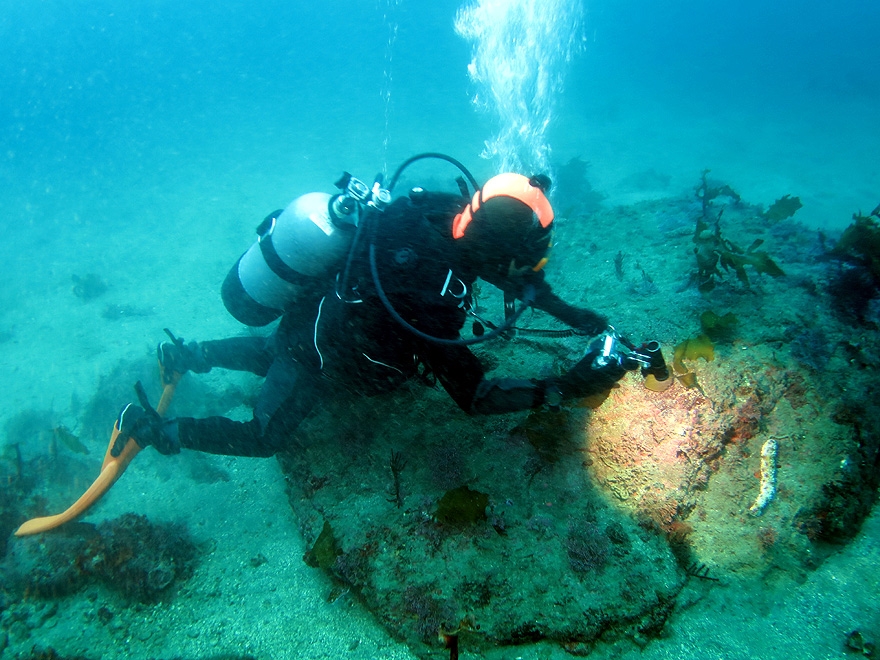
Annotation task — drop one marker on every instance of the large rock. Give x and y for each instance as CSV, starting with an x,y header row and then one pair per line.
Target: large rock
x,y
580,524
493,528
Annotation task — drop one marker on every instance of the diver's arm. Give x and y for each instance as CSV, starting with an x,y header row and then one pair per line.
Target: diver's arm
x,y
586,320
590,322
461,374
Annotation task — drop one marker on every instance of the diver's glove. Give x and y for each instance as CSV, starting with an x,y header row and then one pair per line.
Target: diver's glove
x,y
585,379
144,425
176,356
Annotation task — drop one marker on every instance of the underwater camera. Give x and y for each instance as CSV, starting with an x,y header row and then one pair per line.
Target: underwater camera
x,y
613,348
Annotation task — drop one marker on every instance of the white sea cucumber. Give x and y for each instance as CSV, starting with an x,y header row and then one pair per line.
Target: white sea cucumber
x,y
768,478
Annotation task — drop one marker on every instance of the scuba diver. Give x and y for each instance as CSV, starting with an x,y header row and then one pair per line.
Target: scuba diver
x,y
372,292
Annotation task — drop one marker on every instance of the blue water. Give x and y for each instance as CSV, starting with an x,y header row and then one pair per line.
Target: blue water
x,y
129,92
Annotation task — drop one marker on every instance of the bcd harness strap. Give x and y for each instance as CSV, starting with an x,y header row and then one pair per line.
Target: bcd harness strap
x,y
270,254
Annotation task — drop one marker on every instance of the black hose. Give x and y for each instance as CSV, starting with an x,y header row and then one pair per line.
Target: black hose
x,y
528,294
363,217
432,154
528,298
552,334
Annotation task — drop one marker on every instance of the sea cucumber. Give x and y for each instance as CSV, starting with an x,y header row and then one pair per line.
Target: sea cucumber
x,y
768,478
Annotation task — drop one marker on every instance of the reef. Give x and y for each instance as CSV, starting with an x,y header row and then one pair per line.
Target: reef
x,y
582,525
52,654
834,514
855,284
587,525
434,566
573,191
129,555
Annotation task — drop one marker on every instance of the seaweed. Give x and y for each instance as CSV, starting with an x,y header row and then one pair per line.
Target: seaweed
x,y
860,243
718,328
325,550
547,432
709,190
462,507
618,265
689,380
713,250
784,207
857,281
851,290
692,349
856,641
9,517
646,286
699,570
396,465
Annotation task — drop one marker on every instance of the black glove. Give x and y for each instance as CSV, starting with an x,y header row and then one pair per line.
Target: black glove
x,y
584,380
175,356
145,427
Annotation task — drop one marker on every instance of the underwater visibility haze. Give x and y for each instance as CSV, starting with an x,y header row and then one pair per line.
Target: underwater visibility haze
x,y
716,192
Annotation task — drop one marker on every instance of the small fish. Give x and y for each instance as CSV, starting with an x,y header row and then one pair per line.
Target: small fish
x,y
69,440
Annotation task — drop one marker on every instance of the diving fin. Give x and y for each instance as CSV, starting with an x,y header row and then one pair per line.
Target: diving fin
x,y
111,470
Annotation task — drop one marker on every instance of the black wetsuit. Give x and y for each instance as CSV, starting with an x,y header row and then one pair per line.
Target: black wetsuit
x,y
324,343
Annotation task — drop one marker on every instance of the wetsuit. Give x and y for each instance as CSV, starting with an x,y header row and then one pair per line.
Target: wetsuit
x,y
325,343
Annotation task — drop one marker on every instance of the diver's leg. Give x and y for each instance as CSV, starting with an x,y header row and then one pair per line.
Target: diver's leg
x,y
287,397
253,354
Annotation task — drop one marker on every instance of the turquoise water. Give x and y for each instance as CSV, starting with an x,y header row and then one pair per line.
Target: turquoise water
x,y
141,142
100,92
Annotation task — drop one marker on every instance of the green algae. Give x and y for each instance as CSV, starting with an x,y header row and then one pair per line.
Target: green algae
x,y
712,250
461,507
324,552
718,328
692,349
784,207
860,242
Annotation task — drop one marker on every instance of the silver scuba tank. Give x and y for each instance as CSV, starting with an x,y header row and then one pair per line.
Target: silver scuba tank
x,y
309,240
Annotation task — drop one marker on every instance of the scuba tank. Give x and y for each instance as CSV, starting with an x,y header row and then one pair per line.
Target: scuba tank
x,y
303,244
315,237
